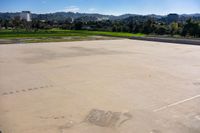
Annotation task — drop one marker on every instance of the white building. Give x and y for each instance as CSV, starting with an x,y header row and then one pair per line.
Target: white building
x,y
25,15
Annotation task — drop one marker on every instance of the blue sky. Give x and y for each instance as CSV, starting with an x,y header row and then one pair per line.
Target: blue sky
x,y
114,7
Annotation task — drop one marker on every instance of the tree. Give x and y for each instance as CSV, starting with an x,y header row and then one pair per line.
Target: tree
x,y
191,28
78,25
16,23
161,30
114,28
148,26
35,25
174,28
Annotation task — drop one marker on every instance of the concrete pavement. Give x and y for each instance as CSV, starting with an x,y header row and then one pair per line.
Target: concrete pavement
x,y
113,86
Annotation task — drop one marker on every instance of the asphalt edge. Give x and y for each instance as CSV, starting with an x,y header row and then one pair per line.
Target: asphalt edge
x,y
169,40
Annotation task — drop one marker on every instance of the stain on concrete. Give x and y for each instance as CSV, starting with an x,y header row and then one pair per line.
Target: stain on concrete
x,y
5,93
25,90
124,118
107,118
197,83
52,117
39,55
155,131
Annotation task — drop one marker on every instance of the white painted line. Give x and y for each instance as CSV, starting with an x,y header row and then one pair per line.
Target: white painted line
x,y
176,103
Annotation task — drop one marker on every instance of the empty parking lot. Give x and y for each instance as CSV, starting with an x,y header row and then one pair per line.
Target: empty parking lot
x,y
108,86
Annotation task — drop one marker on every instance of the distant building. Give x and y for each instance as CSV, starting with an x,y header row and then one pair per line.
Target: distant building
x,y
72,20
25,15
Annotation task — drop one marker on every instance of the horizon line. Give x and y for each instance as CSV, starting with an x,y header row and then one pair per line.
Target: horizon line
x,y
103,13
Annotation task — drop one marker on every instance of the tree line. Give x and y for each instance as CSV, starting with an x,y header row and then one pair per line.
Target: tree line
x,y
189,28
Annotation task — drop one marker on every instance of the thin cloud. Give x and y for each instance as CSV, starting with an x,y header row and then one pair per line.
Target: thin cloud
x,y
92,9
72,9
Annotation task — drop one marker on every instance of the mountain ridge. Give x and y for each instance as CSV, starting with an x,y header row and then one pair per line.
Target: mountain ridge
x,y
64,15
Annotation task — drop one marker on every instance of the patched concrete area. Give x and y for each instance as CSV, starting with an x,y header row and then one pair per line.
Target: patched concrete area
x,y
108,86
